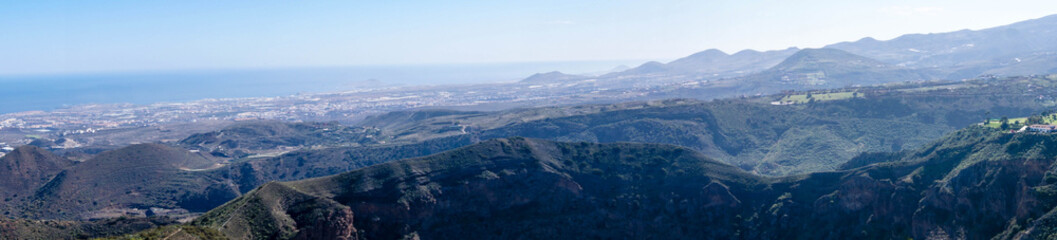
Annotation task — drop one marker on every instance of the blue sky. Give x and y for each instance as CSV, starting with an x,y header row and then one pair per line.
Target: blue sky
x,y
60,37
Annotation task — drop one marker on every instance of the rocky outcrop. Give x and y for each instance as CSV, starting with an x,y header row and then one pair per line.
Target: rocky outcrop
x,y
276,211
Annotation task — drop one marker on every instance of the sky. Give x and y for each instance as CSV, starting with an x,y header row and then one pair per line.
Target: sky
x,y
66,37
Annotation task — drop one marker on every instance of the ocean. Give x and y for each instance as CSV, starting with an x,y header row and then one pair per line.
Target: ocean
x,y
49,92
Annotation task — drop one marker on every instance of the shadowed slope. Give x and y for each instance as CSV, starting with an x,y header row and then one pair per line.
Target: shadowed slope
x,y
508,187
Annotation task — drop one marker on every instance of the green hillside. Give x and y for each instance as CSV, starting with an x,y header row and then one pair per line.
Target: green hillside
x,y
51,229
497,189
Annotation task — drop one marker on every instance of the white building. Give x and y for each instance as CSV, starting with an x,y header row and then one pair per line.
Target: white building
x,y
1042,128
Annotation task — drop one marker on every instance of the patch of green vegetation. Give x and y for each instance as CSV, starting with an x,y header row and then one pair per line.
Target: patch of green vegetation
x,y
808,97
53,229
997,122
1016,123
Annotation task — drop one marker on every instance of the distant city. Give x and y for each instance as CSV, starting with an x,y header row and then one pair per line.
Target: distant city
x,y
346,107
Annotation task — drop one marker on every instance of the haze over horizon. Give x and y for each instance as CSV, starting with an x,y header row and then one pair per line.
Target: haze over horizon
x,y
74,37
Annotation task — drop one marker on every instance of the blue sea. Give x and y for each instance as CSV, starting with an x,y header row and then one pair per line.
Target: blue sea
x,y
48,92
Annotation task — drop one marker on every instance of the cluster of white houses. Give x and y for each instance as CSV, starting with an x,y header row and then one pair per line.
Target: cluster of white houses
x,y
1039,128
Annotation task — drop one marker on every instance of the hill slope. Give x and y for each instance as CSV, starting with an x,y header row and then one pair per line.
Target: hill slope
x,y
27,168
549,77
505,188
959,187
130,181
247,138
828,68
49,229
750,133
1021,48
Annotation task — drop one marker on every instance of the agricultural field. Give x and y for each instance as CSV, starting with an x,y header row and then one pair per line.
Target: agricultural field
x,y
803,98
1020,121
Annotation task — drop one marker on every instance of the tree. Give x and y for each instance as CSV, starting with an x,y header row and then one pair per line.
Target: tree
x,y
1004,123
1034,120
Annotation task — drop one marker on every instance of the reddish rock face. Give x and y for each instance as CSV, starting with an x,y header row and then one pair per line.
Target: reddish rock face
x,y
983,198
337,225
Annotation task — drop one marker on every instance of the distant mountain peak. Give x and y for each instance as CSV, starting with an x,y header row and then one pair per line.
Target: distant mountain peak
x,y
710,53
811,56
648,67
821,51
834,68
746,52
867,39
715,63
553,76
652,64
706,56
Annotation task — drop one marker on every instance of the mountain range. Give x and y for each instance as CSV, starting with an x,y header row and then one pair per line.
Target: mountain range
x,y
1017,49
1023,48
716,63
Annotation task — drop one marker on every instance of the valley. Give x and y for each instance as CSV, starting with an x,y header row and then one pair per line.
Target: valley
x,y
751,135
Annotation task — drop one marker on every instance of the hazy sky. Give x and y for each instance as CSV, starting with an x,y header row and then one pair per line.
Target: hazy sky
x,y
52,37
